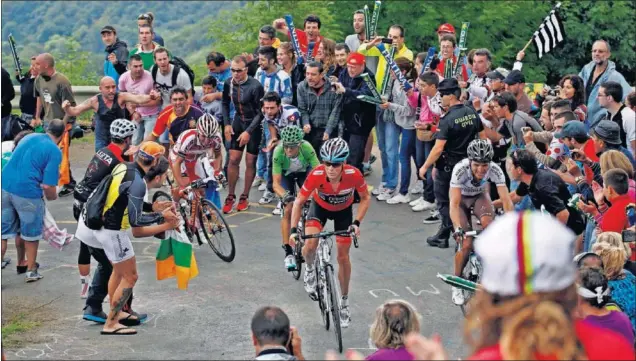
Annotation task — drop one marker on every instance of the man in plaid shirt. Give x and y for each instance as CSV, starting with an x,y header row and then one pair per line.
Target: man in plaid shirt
x,y
319,106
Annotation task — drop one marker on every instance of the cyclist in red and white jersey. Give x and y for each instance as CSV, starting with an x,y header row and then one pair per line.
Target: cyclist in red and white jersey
x,y
331,186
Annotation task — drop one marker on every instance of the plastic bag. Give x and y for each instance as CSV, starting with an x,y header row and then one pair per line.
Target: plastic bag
x,y
51,233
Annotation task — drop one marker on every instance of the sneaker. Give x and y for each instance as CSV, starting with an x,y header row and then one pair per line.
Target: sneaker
x,y
32,276
65,191
372,159
416,202
290,262
267,197
6,262
262,187
93,315
386,194
85,284
419,187
432,218
379,189
229,203
257,181
278,210
367,170
310,281
424,206
345,317
399,199
458,296
23,269
243,203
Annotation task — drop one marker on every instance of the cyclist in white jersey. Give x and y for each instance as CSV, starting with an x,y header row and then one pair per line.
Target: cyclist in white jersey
x,y
469,190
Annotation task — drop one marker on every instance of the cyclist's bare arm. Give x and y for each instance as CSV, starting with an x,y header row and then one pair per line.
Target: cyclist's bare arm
x,y
217,163
365,201
176,172
455,195
505,198
278,188
297,209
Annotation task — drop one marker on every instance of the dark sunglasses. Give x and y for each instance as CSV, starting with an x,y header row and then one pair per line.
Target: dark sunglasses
x,y
237,70
143,17
290,146
332,165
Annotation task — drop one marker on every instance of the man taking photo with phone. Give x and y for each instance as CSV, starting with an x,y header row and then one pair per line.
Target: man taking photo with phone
x,y
273,337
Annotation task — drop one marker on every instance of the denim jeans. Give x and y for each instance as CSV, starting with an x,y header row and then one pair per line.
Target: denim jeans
x,y
388,135
422,151
102,134
144,128
261,162
407,152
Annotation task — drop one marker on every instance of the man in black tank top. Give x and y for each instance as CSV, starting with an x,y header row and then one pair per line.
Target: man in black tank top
x,y
108,105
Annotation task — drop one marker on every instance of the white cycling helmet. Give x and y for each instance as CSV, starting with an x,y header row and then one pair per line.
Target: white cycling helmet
x,y
480,150
207,125
122,128
334,150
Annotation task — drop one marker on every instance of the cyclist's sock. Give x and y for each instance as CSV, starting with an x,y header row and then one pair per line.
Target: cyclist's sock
x,y
345,301
288,250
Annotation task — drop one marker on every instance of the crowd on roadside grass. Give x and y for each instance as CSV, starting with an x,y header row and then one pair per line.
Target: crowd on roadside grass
x,y
577,138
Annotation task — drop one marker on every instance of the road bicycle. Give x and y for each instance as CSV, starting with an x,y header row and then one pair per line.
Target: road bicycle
x,y
206,218
327,288
298,247
472,271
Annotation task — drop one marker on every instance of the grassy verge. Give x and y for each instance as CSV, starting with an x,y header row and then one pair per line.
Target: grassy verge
x,y
15,327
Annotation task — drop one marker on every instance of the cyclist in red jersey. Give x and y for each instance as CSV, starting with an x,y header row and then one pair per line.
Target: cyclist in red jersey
x,y
331,186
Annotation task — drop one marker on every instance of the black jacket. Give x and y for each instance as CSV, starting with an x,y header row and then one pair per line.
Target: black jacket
x,y
358,116
8,93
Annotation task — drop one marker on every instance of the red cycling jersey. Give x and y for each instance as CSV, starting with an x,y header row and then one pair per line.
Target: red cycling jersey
x,y
334,199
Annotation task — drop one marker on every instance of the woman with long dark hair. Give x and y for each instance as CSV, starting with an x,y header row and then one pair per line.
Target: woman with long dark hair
x,y
573,89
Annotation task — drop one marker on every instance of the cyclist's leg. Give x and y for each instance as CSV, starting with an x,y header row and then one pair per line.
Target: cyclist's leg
x,y
341,222
286,182
484,210
461,256
316,219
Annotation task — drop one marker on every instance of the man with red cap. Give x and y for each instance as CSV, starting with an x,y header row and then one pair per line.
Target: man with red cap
x,y
357,116
445,29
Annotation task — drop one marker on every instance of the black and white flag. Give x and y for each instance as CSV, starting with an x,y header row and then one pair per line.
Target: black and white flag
x,y
550,33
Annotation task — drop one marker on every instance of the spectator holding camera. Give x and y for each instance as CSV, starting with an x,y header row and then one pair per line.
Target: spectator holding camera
x,y
273,337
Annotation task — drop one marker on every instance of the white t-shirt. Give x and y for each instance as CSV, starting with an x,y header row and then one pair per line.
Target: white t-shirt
x,y
163,83
629,126
463,178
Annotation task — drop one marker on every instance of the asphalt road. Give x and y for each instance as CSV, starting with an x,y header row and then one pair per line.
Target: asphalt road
x,y
211,319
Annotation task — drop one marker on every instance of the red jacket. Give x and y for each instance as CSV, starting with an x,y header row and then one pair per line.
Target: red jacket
x,y
615,219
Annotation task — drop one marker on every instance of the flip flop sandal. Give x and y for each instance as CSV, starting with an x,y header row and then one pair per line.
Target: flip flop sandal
x,y
128,321
117,332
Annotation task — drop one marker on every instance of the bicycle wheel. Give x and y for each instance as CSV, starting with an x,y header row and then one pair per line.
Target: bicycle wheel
x,y
335,298
471,273
321,296
216,231
164,196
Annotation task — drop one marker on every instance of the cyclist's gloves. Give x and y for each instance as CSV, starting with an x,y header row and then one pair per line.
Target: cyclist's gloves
x,y
293,234
221,179
354,226
197,184
459,232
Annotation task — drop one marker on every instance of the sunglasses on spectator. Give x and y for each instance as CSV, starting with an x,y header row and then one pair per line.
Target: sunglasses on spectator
x,y
237,70
332,165
143,17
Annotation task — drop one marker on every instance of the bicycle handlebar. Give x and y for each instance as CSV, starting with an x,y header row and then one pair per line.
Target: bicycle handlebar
x,y
326,234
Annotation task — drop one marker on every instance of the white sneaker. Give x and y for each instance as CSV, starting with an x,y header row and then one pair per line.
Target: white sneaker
x,y
85,282
458,296
419,187
345,316
278,210
266,198
399,199
386,194
257,181
424,206
310,281
290,262
416,202
263,186
379,189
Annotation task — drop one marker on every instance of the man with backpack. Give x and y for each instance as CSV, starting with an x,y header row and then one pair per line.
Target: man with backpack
x,y
168,74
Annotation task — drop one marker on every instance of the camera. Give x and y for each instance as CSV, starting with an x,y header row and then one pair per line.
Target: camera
x,y
387,41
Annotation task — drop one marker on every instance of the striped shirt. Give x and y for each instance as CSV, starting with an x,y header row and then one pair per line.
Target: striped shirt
x,y
278,81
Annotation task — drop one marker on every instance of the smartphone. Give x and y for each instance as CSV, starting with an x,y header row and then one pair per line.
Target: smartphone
x,y
526,129
578,156
387,41
628,236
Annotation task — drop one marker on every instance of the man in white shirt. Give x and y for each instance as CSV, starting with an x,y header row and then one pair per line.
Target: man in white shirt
x,y
166,79
609,97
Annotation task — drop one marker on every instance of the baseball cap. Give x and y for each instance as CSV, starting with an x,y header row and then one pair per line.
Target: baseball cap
x,y
446,28
448,86
150,150
519,257
572,129
497,74
355,58
608,131
515,77
108,29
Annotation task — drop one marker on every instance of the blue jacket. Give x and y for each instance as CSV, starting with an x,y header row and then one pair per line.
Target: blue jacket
x,y
594,109
120,49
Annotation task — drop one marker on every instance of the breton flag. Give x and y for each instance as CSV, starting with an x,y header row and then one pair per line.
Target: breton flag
x,y
550,33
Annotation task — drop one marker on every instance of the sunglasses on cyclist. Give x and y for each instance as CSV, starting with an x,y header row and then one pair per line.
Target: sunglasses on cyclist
x,y
290,146
332,165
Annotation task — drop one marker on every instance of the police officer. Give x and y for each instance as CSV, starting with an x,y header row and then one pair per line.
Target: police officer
x,y
457,128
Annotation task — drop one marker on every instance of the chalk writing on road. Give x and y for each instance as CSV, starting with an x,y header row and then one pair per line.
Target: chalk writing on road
x,y
432,290
65,347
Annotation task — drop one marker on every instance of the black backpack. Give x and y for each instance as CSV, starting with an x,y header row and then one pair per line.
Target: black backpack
x,y
13,125
93,211
178,64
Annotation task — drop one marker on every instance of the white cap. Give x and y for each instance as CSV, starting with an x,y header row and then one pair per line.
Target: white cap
x,y
524,253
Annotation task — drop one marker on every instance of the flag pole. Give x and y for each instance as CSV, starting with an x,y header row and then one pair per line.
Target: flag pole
x,y
558,5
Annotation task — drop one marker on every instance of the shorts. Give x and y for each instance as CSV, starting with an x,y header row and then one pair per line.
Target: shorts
x,y
253,145
289,182
116,244
481,206
22,215
342,220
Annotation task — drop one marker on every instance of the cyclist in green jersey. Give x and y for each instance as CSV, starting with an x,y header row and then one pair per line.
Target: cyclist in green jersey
x,y
291,161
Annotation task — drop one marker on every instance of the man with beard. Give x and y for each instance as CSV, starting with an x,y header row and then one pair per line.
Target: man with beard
x,y
597,72
108,106
358,37
116,53
515,83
